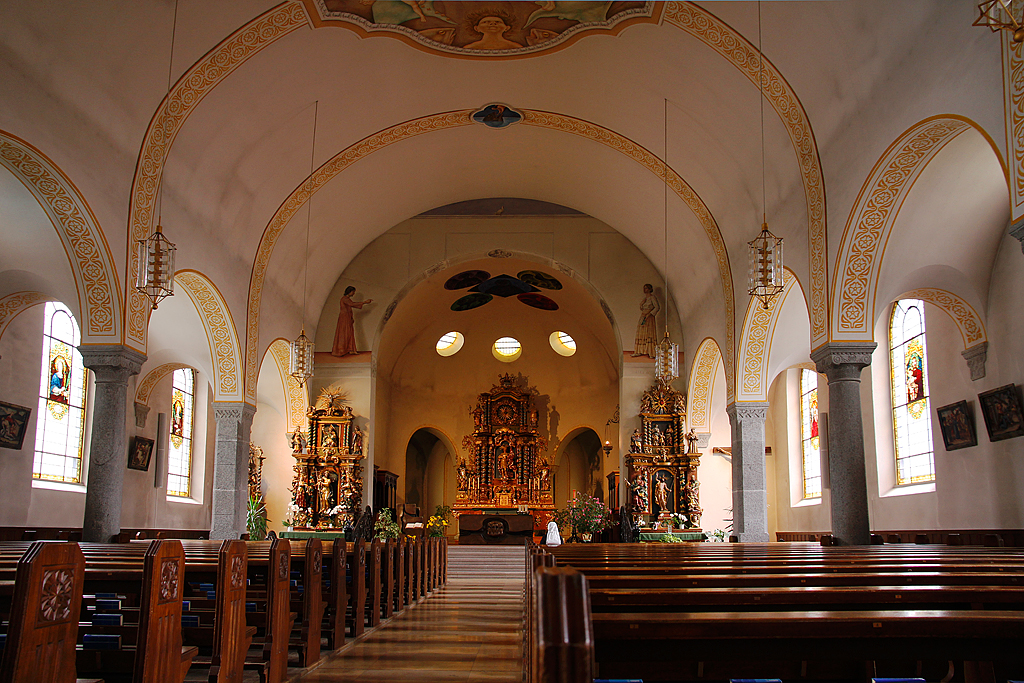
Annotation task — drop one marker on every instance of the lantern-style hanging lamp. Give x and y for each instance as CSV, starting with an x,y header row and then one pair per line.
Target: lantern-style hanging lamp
x,y
300,351
764,271
155,254
1002,15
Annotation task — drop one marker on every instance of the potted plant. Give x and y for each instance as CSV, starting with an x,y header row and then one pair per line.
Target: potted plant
x,y
256,519
386,527
437,525
585,515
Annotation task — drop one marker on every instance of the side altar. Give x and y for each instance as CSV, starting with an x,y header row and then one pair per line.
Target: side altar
x,y
505,468
663,460
327,488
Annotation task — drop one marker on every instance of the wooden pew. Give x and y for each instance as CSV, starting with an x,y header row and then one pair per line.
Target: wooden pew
x,y
46,598
401,593
357,589
335,593
279,614
373,583
311,606
231,636
389,557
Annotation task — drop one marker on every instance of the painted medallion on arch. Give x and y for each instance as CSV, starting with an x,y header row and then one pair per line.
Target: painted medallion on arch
x,y
483,29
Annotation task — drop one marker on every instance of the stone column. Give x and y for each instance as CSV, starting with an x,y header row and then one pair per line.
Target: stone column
x,y
231,469
841,363
111,365
749,490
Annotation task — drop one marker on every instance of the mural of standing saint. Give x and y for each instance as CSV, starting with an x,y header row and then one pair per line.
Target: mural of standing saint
x,y
646,343
345,333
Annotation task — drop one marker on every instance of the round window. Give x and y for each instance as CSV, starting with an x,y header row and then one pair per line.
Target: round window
x,y
507,349
562,343
450,343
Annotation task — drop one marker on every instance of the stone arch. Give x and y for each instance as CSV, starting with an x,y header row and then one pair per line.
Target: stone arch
x,y
99,302
295,396
756,343
859,262
13,304
436,122
702,384
561,451
152,378
220,333
970,324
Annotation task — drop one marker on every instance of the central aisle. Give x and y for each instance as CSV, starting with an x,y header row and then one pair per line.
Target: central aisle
x,y
468,630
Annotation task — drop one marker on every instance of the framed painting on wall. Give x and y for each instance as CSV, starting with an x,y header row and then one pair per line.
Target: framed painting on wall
x,y
1001,408
13,424
140,453
957,423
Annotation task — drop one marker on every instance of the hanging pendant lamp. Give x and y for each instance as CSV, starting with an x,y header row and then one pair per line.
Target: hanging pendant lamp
x,y
666,355
1002,15
764,263
300,351
155,254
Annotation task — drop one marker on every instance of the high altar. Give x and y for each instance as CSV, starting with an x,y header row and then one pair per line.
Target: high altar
x,y
506,471
327,489
663,458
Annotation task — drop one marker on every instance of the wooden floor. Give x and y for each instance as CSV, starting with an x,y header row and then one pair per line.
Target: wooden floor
x,y
469,630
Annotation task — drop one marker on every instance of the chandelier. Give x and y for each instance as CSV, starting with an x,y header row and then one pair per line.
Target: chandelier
x,y
764,252
1002,15
155,255
666,362
300,351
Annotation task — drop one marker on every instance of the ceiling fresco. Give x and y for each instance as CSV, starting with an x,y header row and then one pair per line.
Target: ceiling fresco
x,y
525,286
482,29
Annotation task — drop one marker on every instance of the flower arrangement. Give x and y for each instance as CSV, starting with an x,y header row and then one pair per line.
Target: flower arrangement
x,y
716,536
436,526
586,514
296,515
678,520
386,527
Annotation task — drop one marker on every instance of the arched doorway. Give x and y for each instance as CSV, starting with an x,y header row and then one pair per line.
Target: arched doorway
x,y
578,467
429,471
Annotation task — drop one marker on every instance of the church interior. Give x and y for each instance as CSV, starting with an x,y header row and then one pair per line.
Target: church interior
x,y
519,239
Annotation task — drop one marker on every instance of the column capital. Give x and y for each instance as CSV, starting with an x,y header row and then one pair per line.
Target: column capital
x,y
111,362
1017,232
747,410
843,360
233,410
976,357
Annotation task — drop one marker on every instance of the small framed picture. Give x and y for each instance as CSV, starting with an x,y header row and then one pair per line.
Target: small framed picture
x,y
13,424
140,453
1001,408
957,423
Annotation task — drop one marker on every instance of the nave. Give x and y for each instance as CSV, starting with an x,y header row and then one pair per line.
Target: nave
x,y
469,630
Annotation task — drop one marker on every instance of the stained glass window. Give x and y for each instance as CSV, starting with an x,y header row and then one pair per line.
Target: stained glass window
x,y
809,434
179,457
60,428
911,414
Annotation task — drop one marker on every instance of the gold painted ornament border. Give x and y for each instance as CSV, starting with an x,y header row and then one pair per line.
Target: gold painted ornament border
x,y
727,42
220,332
295,396
970,324
80,234
149,382
455,119
872,218
702,383
758,330
1013,95
194,85
13,304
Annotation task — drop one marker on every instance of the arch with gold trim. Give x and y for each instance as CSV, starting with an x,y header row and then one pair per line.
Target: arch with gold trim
x,y
99,302
970,324
152,378
13,304
702,384
756,343
296,399
225,351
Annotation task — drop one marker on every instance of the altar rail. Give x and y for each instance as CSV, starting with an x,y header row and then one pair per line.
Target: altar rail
x,y
789,611
1010,538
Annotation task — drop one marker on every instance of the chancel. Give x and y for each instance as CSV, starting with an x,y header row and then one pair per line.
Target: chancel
x,y
344,303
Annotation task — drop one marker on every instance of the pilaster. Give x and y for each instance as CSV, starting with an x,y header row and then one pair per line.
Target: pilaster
x,y
749,489
842,363
976,357
111,365
231,469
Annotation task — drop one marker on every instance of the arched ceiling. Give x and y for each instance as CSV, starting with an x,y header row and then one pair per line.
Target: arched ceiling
x,y
83,83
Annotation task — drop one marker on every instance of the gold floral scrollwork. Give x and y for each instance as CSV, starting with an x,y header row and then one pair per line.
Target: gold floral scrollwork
x,y
220,332
873,216
56,594
972,329
294,394
13,304
1013,85
152,378
758,330
702,382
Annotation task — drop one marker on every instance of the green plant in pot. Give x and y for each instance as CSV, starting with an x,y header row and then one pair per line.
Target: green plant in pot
x,y
256,519
386,527
585,515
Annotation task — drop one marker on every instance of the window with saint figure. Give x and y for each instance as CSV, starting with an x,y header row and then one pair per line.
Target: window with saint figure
x,y
179,456
911,410
810,440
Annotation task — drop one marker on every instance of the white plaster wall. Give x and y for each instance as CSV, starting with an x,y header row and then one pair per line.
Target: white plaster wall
x,y
715,472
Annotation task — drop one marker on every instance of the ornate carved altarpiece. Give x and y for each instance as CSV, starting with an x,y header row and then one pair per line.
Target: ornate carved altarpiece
x,y
505,467
662,457
327,489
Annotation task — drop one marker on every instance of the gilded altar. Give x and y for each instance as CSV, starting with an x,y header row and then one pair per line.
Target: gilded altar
x,y
327,488
663,459
505,467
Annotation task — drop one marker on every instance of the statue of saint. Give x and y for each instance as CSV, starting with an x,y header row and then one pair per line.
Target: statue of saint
x,y
344,333
646,343
661,493
463,476
325,493
691,440
635,444
357,441
298,441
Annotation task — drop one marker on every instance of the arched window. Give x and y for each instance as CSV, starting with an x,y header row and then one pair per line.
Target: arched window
x,y
809,434
911,414
60,425
179,457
